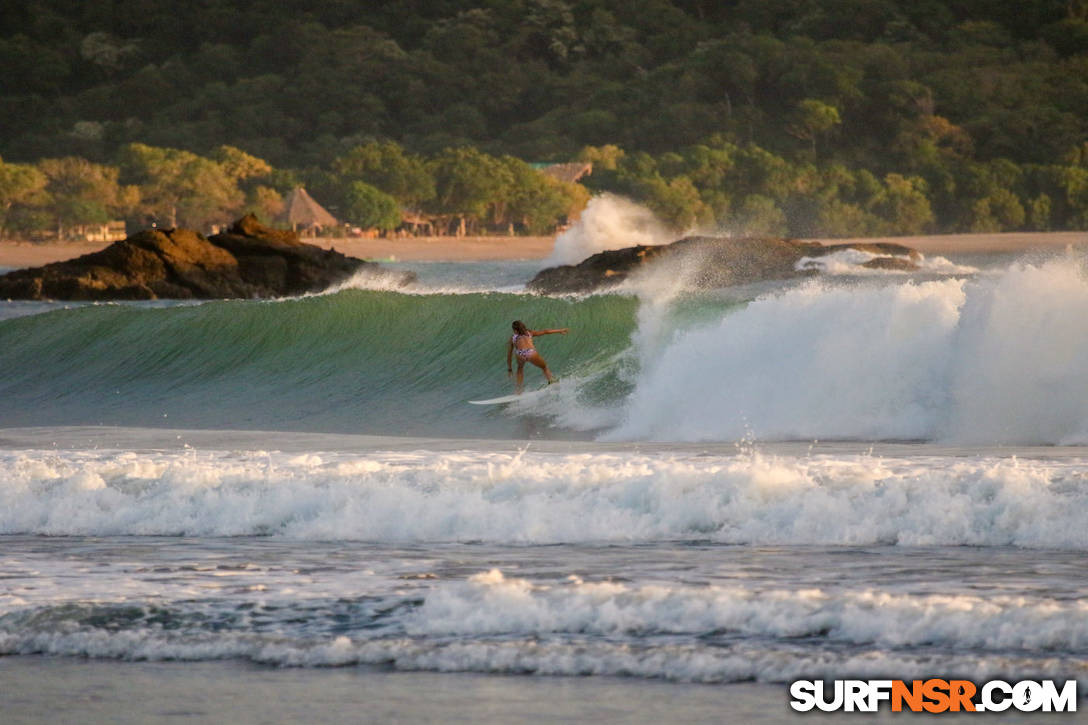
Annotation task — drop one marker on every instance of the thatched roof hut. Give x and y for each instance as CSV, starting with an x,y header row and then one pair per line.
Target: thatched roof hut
x,y
415,223
300,210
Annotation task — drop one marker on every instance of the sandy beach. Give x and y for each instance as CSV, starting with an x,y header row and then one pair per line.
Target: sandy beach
x,y
14,255
442,249
26,254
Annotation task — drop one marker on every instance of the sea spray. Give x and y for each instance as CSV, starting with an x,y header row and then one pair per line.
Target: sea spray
x,y
994,359
851,262
608,222
1022,358
816,361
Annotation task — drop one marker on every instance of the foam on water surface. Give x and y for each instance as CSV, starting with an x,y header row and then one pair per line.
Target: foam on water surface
x,y
694,613
525,496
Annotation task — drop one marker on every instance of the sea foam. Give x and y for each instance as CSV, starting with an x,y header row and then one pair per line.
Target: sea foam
x,y
676,662
996,359
549,497
608,222
495,623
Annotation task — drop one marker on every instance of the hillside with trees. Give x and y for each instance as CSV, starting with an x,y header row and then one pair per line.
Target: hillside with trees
x,y
799,117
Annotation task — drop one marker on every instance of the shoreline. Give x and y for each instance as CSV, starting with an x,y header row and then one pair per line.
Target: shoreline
x,y
15,255
1001,242
440,249
54,689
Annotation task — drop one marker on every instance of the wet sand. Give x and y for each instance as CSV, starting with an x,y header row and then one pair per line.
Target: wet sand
x,y
40,689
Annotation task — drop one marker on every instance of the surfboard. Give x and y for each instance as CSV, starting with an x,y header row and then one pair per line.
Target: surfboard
x,y
508,398
496,401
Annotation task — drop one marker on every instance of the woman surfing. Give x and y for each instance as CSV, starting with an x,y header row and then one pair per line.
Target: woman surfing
x,y
521,346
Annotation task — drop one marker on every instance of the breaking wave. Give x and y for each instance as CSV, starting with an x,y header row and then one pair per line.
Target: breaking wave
x,y
542,498
978,359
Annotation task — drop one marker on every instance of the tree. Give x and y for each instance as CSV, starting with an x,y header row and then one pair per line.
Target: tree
x,y
239,165
813,119
758,171
837,218
1039,213
758,216
552,31
108,53
467,183
779,82
904,205
1006,208
31,66
371,208
1073,183
676,202
535,201
603,158
82,192
179,187
981,218
20,184
265,202
387,167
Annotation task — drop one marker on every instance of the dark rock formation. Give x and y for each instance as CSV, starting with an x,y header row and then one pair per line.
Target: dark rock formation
x,y
248,260
711,262
892,264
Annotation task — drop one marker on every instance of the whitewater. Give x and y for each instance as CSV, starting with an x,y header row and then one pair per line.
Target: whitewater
x,y
852,474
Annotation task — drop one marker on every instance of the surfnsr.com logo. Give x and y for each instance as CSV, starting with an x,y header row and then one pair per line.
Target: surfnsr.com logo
x,y
933,696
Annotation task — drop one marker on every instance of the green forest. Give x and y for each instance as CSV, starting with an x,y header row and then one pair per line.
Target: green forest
x,y
792,117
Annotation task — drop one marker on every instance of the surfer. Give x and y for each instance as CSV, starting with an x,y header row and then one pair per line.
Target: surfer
x,y
521,346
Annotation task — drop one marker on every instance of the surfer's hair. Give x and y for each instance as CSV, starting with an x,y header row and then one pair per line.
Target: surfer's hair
x,y
520,328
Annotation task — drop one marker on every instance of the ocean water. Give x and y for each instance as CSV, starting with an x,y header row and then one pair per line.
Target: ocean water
x,y
859,474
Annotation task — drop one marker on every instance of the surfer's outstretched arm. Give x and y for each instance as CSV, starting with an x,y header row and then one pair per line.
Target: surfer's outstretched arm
x,y
558,330
509,356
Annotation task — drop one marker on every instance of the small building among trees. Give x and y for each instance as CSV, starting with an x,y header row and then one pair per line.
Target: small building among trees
x,y
415,225
302,212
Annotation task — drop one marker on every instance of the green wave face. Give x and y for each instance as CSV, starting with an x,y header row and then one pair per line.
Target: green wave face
x,y
355,361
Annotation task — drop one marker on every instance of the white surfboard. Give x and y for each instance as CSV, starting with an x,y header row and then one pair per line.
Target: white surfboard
x,y
507,398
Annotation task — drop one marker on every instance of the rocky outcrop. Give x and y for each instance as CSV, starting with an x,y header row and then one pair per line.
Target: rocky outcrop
x,y
713,262
248,260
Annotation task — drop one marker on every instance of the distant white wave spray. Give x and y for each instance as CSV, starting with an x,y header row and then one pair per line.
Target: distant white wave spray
x,y
998,359
851,262
608,222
